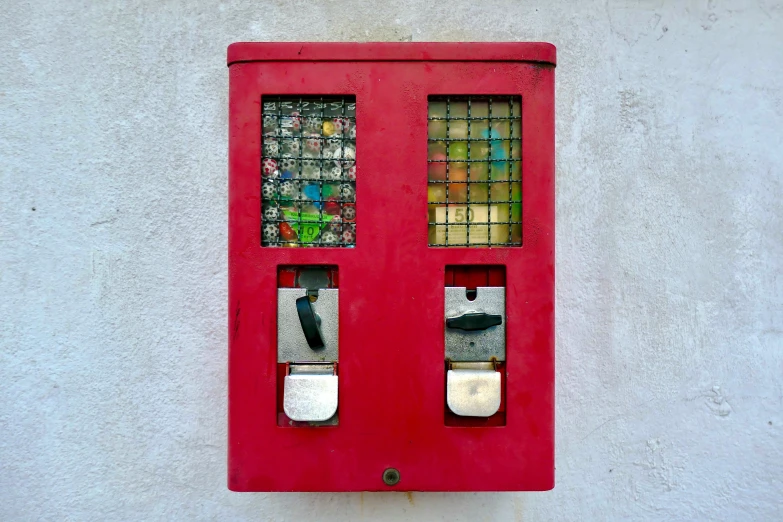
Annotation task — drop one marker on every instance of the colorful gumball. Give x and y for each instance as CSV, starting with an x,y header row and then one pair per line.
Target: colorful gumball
x,y
436,193
458,129
328,128
436,170
287,233
458,150
458,193
268,167
458,189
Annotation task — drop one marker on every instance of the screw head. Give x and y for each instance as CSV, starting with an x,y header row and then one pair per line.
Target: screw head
x,y
391,477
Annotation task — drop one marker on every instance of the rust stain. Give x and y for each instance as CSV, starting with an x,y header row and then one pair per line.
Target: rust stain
x,y
409,494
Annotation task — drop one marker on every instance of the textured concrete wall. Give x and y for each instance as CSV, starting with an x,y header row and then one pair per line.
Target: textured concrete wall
x,y
113,266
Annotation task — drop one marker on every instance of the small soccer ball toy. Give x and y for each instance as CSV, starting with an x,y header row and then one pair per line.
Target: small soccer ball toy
x,y
268,190
296,121
347,192
271,213
313,145
348,237
352,173
336,224
332,173
292,146
341,124
310,168
287,163
271,147
329,237
271,232
313,124
268,167
349,212
287,189
344,157
331,145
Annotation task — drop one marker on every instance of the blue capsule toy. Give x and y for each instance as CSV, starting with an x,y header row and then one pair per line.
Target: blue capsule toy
x,y
312,192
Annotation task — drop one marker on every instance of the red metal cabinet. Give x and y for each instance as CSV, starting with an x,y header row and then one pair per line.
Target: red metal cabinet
x,y
393,411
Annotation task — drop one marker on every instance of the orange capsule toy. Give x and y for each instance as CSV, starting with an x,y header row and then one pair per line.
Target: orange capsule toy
x,y
287,233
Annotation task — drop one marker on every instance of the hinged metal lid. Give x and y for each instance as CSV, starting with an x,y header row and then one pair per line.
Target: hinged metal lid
x,y
473,389
310,392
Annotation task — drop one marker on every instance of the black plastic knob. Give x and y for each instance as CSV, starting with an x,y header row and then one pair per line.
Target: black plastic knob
x,y
474,321
311,323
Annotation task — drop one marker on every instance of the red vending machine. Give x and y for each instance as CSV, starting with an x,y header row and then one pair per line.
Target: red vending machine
x,y
391,267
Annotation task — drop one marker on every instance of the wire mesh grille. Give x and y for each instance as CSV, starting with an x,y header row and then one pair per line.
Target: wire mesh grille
x,y
308,169
474,191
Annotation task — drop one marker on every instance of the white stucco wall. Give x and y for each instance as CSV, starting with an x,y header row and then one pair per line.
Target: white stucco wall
x,y
113,139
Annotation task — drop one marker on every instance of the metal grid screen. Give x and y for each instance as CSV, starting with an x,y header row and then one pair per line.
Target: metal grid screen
x,y
474,192
308,169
